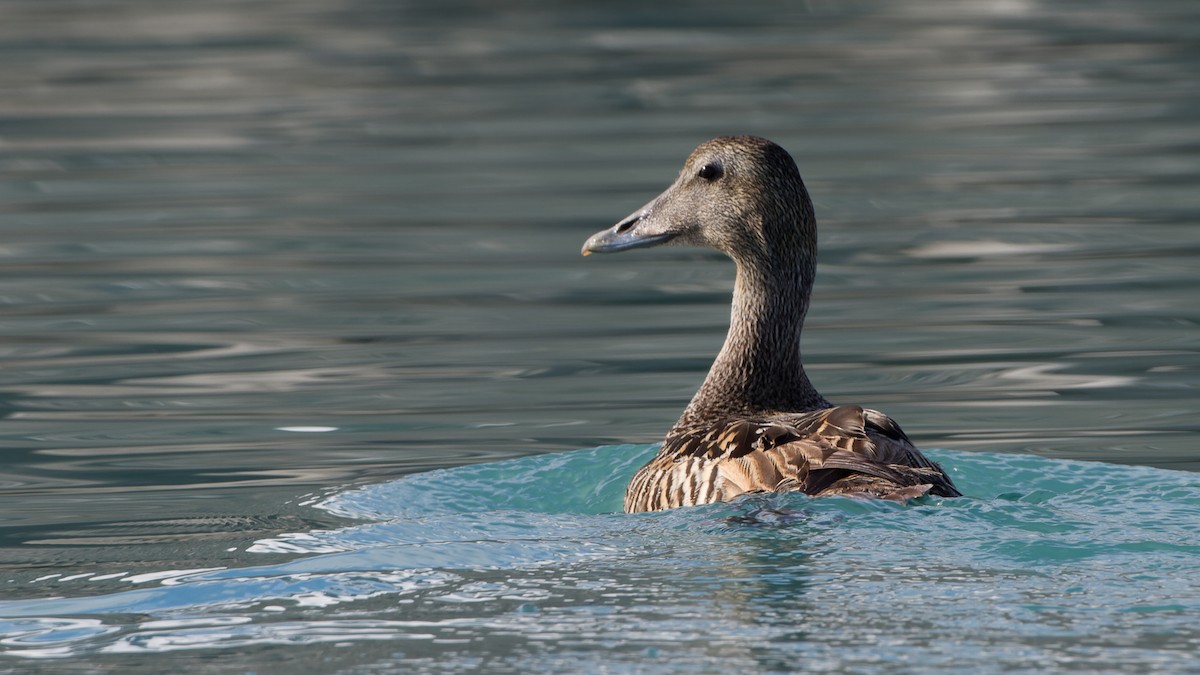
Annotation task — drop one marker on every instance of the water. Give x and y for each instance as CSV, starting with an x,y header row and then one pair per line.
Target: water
x,y
263,263
523,565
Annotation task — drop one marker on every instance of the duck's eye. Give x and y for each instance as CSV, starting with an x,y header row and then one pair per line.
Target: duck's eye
x,y
710,171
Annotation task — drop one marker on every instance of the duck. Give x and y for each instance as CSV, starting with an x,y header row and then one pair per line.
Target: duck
x,y
757,424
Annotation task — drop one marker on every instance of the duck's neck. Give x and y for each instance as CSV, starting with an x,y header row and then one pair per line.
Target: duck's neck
x,y
759,370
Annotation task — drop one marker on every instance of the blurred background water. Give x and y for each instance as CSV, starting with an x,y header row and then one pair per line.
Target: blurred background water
x,y
255,254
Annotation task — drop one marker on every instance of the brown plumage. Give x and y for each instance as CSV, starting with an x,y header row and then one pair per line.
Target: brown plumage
x,y
757,424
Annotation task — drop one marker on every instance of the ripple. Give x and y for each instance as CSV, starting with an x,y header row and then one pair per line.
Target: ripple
x,y
535,549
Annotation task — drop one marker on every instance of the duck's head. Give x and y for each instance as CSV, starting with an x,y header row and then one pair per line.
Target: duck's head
x,y
741,195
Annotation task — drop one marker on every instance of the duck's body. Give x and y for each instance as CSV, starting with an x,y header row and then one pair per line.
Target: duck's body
x,y
757,424
845,450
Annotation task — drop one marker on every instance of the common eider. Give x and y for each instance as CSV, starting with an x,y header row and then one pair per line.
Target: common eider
x,y
757,424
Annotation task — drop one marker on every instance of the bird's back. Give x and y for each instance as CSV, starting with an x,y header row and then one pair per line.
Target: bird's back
x,y
844,450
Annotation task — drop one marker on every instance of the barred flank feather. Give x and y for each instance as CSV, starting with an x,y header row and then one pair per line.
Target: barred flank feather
x,y
834,451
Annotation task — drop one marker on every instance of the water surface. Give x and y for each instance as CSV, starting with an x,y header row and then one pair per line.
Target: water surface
x,y
254,257
523,565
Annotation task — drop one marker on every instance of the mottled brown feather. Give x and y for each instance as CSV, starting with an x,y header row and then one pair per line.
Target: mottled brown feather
x,y
845,450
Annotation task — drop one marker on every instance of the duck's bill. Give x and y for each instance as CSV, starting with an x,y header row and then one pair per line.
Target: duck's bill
x,y
623,236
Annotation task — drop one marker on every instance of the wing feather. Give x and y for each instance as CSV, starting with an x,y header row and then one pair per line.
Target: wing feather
x,y
846,450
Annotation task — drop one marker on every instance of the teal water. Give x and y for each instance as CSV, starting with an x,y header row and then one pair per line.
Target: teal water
x,y
1046,563
266,267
